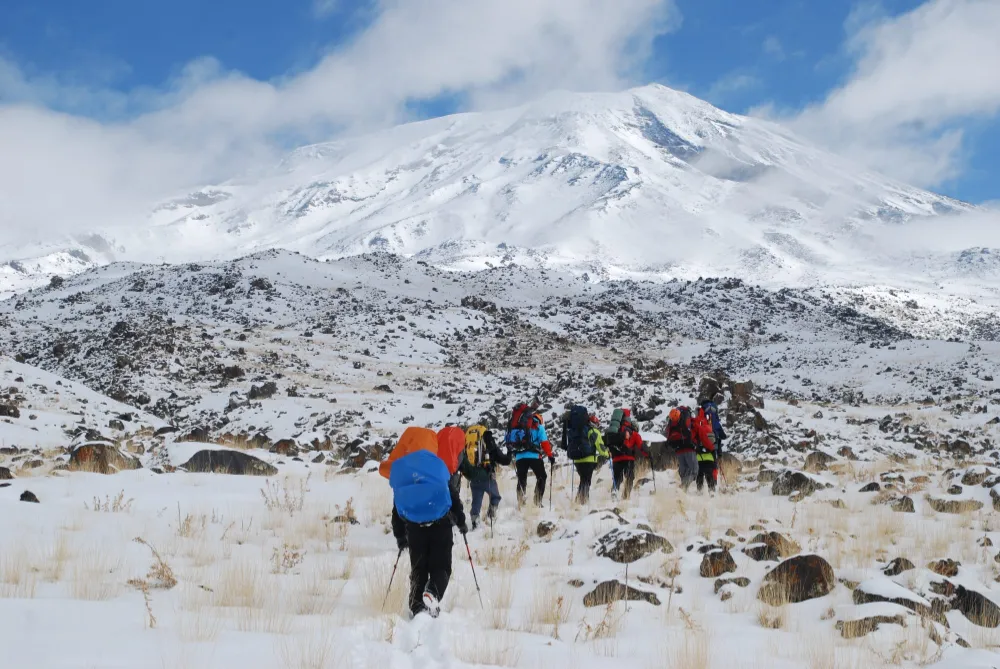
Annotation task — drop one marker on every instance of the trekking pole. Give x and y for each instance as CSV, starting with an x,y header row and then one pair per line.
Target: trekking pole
x,y
652,470
478,591
552,483
389,589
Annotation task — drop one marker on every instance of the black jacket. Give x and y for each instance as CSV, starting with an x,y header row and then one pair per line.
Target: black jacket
x,y
455,516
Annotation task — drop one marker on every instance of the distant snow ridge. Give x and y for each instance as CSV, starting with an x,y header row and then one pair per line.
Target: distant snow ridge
x,y
649,181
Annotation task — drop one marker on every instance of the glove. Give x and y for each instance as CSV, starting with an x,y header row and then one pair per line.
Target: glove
x,y
463,528
401,543
552,460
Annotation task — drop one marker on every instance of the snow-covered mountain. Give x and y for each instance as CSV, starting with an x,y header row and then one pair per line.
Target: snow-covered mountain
x,y
648,181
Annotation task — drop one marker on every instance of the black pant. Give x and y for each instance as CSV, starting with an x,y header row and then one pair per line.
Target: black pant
x,y
624,470
430,560
707,470
586,472
537,466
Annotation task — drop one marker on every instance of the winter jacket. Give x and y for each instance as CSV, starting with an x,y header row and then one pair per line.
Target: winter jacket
x,y
703,436
597,441
538,440
677,443
632,445
483,473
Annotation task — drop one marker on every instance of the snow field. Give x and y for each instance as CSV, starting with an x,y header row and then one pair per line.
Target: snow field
x,y
272,573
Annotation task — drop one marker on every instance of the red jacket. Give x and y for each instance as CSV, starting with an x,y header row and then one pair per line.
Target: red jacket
x,y
702,433
633,444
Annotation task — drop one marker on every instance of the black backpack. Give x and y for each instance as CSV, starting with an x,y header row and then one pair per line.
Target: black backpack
x,y
575,440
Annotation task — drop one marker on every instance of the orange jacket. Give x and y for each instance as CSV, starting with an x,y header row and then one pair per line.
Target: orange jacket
x,y
702,433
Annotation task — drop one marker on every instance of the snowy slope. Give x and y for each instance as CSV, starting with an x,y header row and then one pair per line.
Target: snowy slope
x,y
649,181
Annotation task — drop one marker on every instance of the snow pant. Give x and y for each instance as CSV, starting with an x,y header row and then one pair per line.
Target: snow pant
x,y
430,560
479,490
623,471
586,472
707,471
687,467
537,467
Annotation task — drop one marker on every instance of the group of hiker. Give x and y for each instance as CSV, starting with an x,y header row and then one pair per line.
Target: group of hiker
x,y
426,468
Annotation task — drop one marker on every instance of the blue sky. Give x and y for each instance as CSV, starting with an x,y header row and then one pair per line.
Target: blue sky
x,y
195,88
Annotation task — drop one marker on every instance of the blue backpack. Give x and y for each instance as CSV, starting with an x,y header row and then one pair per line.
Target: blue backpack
x,y
419,483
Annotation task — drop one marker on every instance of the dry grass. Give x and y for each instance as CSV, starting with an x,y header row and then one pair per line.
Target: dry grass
x,y
285,497
160,575
606,628
549,608
93,577
374,583
500,593
116,504
18,579
199,626
238,585
318,650
316,596
692,653
57,558
270,619
507,558
772,617
495,649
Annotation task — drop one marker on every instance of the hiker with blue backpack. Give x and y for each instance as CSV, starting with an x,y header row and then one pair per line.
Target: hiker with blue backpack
x,y
527,440
584,445
426,505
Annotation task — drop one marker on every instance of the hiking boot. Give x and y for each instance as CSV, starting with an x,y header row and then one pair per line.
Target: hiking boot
x,y
475,522
491,514
432,605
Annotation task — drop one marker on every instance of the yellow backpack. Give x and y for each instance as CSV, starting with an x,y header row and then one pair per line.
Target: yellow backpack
x,y
475,449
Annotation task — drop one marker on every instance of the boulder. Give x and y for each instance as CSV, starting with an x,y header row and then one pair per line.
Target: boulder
x,y
615,591
898,566
716,563
947,568
871,487
995,496
102,458
286,447
817,461
903,505
741,581
790,481
767,475
977,476
771,546
954,505
9,411
847,453
5,474
978,609
798,579
228,462
631,544
28,496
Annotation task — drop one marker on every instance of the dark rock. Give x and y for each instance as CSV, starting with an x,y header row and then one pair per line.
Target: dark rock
x,y
576,583
5,474
975,477
9,411
898,566
767,475
116,424
947,568
28,496
545,528
847,453
615,591
628,545
32,464
741,581
955,490
871,487
883,591
798,579
903,505
977,608
102,459
717,563
264,392
165,430
228,462
318,459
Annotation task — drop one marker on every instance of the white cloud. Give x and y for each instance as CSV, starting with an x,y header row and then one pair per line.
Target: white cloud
x,y
917,78
61,172
726,86
772,47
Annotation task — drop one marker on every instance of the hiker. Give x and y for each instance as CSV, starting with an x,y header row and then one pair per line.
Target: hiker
x,y
703,436
527,440
678,434
712,412
483,455
584,444
425,506
625,443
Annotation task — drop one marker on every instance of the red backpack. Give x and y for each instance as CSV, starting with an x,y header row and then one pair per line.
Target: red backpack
x,y
678,430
